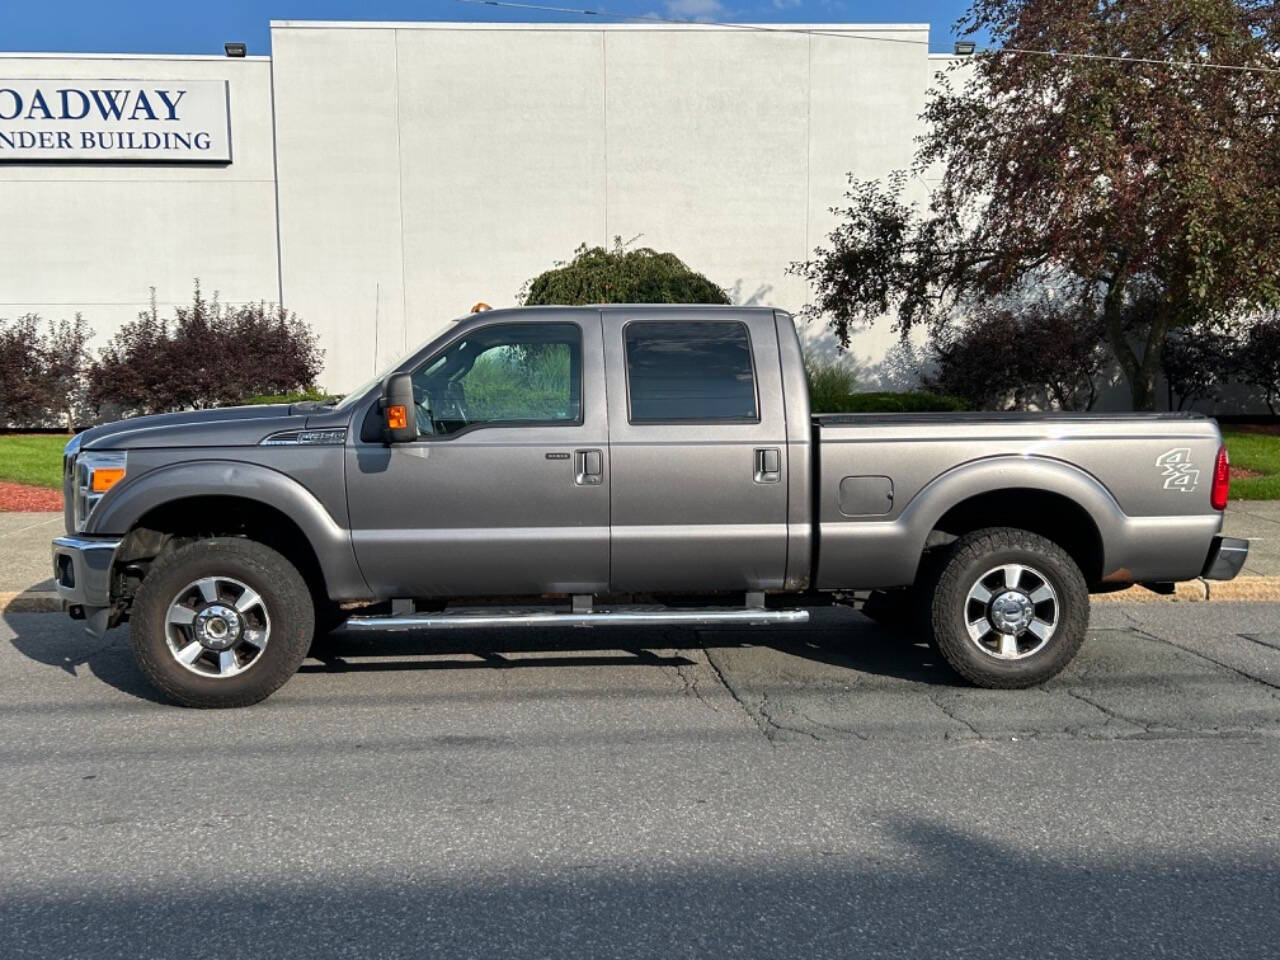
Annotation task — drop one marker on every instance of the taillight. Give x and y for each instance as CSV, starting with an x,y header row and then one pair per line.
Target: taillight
x,y
1221,480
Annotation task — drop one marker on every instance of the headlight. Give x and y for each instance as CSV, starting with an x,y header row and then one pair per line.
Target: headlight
x,y
96,473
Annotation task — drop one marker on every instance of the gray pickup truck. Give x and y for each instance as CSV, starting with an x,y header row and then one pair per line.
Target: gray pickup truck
x,y
618,465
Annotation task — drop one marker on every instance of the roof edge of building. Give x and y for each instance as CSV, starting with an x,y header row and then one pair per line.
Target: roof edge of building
x,y
656,25
72,55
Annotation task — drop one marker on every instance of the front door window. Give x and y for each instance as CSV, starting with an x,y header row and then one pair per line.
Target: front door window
x,y
520,374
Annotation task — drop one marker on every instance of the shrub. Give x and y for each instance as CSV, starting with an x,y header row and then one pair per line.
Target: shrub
x,y
1198,360
278,353
915,401
296,396
66,372
211,355
619,275
42,378
138,370
1259,361
21,390
1041,354
831,383
976,362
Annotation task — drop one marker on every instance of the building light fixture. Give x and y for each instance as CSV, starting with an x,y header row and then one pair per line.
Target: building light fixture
x,y
235,49
965,48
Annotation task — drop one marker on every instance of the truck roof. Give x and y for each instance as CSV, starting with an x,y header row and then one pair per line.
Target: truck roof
x,y
684,309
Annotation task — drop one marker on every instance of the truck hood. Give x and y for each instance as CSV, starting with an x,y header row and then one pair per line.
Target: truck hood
x,y
222,427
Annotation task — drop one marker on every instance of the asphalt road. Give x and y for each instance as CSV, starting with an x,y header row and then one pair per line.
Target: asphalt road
x,y
825,791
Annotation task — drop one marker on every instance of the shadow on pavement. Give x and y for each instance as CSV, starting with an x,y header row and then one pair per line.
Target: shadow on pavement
x,y
926,890
837,639
56,641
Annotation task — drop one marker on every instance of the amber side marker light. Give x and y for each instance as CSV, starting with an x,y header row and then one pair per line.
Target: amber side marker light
x,y
397,417
1221,480
104,478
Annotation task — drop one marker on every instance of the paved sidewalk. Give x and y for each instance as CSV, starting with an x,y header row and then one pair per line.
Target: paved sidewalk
x,y
26,583
1257,521
26,574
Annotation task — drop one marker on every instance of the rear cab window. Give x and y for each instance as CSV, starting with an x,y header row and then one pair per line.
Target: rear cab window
x,y
690,372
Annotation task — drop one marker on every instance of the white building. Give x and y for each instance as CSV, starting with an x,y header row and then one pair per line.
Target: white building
x,y
380,178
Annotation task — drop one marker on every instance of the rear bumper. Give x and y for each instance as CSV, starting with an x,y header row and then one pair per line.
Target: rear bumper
x,y
82,572
1226,558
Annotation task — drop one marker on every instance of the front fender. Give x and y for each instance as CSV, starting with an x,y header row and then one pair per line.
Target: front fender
x,y
122,508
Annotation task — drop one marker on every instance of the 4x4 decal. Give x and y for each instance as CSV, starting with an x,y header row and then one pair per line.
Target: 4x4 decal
x,y
1179,472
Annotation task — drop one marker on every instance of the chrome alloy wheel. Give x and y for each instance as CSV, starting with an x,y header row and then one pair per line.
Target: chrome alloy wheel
x,y
217,627
1011,612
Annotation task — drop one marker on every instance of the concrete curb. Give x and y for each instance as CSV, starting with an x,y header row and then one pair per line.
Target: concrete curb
x,y
30,601
1239,590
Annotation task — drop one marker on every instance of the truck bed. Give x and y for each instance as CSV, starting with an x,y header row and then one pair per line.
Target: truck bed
x,y
1138,483
990,416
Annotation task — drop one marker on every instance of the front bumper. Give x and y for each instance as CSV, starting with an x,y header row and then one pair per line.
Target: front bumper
x,y
1226,558
82,576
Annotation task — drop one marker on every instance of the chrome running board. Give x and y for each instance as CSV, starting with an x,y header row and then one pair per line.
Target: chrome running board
x,y
616,617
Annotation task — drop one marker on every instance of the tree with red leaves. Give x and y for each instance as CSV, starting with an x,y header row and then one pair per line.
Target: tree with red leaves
x,y
1102,150
210,355
65,366
22,392
42,375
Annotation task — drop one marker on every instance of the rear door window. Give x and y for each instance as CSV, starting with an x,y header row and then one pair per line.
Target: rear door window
x,y
690,372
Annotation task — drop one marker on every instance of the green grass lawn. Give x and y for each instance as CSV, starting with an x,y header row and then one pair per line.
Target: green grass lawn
x,y
1259,452
34,459
37,459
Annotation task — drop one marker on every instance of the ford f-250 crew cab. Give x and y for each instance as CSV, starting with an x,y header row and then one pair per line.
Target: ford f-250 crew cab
x,y
617,465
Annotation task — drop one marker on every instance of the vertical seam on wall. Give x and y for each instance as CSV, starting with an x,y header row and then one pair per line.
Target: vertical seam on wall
x,y
604,122
404,301
275,180
808,165
808,149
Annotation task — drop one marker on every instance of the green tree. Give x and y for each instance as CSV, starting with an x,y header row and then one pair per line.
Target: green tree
x,y
620,275
1093,170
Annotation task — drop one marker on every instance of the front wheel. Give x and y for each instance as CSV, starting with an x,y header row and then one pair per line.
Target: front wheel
x,y
1009,608
221,623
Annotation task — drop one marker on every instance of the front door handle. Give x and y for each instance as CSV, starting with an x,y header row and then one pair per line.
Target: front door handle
x,y
768,465
589,466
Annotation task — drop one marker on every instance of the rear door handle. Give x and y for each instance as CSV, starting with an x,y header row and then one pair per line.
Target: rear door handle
x,y
768,465
589,467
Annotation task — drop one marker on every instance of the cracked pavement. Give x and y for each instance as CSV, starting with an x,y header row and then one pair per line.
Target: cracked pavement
x,y
827,790
1167,670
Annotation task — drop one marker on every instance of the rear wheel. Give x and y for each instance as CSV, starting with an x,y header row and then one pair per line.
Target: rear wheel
x,y
221,623
1009,608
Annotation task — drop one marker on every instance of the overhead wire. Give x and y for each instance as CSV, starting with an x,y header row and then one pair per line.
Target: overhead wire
x,y
845,35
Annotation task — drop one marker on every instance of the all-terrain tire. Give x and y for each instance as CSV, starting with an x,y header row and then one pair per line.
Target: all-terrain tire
x,y
972,561
284,598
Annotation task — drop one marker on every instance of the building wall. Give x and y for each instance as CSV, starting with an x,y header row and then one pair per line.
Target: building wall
x,y
385,177
419,168
424,167
95,238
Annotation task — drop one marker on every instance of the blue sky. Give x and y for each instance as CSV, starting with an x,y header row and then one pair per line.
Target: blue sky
x,y
190,26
